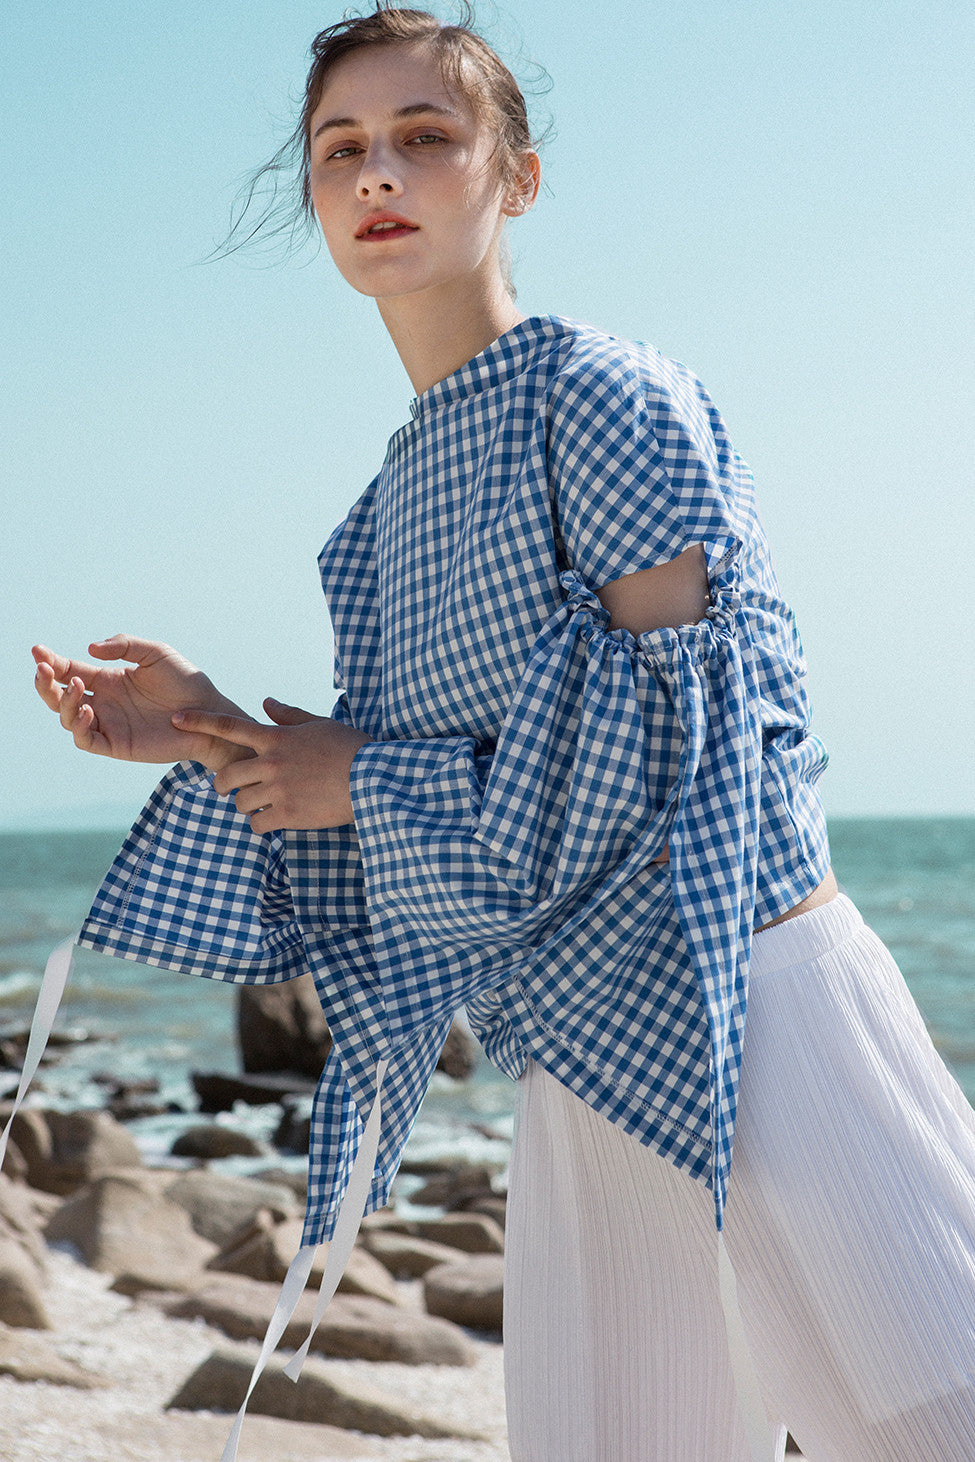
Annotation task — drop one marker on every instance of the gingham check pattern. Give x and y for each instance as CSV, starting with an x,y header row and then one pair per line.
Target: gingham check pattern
x,y
529,765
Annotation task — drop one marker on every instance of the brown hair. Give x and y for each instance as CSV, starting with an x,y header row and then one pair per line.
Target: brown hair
x,y
469,67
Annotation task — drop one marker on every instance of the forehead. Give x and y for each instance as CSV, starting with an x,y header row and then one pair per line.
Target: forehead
x,y
380,81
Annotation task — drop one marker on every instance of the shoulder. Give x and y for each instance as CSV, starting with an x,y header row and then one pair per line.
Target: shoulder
x,y
638,460
600,381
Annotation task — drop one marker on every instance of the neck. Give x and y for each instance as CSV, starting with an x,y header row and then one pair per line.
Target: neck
x,y
437,331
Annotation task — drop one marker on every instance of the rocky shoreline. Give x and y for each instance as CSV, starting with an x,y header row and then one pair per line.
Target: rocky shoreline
x,y
134,1295
133,1298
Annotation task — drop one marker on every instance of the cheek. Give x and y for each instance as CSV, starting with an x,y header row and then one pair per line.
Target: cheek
x,y
326,216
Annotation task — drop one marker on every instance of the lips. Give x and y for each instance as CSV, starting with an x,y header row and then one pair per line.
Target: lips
x,y
384,226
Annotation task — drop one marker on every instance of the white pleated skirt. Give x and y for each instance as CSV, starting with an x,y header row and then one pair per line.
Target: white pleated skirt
x,y
850,1224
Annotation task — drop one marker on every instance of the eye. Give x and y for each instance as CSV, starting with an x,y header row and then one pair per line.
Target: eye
x,y
346,151
424,139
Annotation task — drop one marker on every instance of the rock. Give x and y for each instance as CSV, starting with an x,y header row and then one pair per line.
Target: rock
x,y
431,1167
14,1042
127,1100
282,1028
454,1186
66,1150
407,1257
244,1251
32,1136
297,1183
21,1305
122,1225
219,1204
218,1091
459,1055
354,1327
221,1382
357,1327
264,1250
384,1220
474,1233
469,1293
293,1132
126,1087
20,1220
495,1205
29,1357
364,1275
14,1162
210,1140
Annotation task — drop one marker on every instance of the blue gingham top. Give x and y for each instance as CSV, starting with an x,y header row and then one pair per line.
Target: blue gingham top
x,y
528,767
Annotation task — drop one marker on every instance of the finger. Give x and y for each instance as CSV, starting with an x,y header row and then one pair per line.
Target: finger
x,y
47,687
87,736
63,668
238,729
246,772
252,799
265,821
71,698
284,715
128,647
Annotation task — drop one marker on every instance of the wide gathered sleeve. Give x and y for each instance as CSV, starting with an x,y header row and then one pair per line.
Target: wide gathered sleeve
x,y
613,746
194,889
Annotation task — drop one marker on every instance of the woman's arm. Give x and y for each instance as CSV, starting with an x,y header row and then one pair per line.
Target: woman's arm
x,y
126,712
672,594
298,775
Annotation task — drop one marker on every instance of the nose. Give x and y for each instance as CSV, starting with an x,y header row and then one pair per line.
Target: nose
x,y
378,176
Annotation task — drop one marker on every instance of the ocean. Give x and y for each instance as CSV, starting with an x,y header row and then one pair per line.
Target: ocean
x,y
913,879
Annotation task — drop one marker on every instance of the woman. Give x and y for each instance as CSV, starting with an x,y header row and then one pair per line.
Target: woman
x,y
570,782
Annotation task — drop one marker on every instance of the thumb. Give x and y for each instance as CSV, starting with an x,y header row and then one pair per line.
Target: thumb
x,y
128,647
283,715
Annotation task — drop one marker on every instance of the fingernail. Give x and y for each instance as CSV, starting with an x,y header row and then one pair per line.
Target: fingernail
x,y
178,718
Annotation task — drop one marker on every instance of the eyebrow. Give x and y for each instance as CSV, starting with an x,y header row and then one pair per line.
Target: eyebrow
x,y
415,109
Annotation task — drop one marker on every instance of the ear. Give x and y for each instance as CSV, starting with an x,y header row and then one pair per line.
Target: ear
x,y
523,192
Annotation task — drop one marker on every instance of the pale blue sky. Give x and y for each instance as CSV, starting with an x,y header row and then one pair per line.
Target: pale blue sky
x,y
779,195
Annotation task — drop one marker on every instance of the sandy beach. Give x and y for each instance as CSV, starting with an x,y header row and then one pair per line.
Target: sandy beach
x,y
145,1357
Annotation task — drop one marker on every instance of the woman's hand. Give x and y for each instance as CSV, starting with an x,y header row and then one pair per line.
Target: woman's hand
x,y
126,712
298,772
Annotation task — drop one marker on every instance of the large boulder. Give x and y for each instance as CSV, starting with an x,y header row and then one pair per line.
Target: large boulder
x,y
454,1186
282,1028
468,1293
220,1204
209,1140
474,1233
65,1150
354,1327
219,1090
405,1256
264,1250
221,1382
123,1225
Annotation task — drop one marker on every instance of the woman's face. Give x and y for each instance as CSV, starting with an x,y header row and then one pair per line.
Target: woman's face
x,y
401,174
